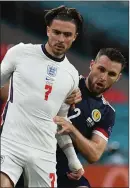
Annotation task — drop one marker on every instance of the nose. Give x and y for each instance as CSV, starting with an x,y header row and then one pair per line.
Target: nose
x,y
61,38
104,76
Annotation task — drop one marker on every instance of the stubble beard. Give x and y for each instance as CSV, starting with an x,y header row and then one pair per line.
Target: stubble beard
x,y
93,90
56,53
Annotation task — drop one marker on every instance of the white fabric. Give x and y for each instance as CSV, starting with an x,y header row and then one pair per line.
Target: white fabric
x,y
100,134
38,165
29,118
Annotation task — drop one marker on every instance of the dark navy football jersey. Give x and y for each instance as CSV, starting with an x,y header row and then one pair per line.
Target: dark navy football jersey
x,y
91,115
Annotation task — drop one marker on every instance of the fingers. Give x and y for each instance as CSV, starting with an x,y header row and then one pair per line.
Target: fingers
x,y
74,175
78,99
63,124
78,96
74,94
73,106
58,120
62,130
75,97
61,120
73,100
71,177
76,91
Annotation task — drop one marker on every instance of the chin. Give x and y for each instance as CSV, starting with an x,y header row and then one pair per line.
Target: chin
x,y
59,52
96,91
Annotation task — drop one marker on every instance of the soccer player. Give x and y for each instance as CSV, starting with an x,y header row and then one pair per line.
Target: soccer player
x,y
28,139
93,118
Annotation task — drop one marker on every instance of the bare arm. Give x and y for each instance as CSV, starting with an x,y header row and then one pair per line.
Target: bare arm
x,y
4,92
91,149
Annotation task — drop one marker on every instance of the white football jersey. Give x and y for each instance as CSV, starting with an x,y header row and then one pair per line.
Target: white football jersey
x,y
39,85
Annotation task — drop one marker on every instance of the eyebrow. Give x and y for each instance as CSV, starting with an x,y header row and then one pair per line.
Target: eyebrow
x,y
111,72
62,32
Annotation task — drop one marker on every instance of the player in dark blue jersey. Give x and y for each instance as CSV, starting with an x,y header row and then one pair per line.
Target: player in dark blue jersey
x,y
93,118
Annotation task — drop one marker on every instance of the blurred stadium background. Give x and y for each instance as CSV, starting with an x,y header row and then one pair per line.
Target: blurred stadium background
x,y
106,24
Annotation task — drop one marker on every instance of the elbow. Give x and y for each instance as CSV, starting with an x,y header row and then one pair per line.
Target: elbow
x,y
91,161
93,158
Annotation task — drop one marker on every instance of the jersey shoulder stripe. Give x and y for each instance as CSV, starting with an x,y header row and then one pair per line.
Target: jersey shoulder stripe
x,y
105,102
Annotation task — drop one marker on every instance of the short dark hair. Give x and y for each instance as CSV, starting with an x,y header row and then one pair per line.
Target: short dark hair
x,y
113,54
66,14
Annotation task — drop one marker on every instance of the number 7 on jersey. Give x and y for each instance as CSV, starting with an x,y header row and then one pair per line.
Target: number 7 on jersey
x,y
48,89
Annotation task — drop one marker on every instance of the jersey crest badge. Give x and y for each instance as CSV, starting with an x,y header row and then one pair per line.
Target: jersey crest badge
x,y
96,115
51,70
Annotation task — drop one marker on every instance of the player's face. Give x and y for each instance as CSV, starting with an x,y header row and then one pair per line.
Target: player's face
x,y
61,35
104,73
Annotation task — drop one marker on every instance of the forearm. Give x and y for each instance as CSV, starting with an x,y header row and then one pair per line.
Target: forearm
x,y
87,147
6,73
4,92
66,145
91,149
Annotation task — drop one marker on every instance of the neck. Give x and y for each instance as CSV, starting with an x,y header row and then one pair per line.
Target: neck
x,y
87,85
49,50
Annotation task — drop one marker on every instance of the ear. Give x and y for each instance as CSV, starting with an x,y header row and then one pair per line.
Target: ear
x,y
48,31
91,64
75,37
119,77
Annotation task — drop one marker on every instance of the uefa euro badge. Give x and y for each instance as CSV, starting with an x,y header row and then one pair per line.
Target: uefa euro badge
x,y
96,115
51,70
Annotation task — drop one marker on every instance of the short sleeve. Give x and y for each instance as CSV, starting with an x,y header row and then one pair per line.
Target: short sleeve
x,y
8,64
104,128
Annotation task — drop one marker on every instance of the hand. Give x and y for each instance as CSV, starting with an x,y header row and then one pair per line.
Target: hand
x,y
75,175
66,126
74,98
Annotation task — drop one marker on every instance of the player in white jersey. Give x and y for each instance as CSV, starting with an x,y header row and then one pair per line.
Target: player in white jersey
x,y
28,139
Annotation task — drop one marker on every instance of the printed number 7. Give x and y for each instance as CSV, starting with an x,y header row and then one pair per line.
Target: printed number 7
x,y
48,89
52,177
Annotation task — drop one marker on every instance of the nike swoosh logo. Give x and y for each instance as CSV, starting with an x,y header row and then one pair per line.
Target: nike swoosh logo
x,y
48,79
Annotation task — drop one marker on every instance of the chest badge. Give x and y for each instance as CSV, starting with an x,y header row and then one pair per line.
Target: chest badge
x,y
51,70
96,115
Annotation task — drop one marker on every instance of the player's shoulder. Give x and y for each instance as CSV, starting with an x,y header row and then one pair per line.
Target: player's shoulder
x,y
16,47
15,51
22,49
22,46
107,104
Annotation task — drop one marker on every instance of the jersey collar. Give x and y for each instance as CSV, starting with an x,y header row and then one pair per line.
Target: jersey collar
x,y
86,90
50,56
